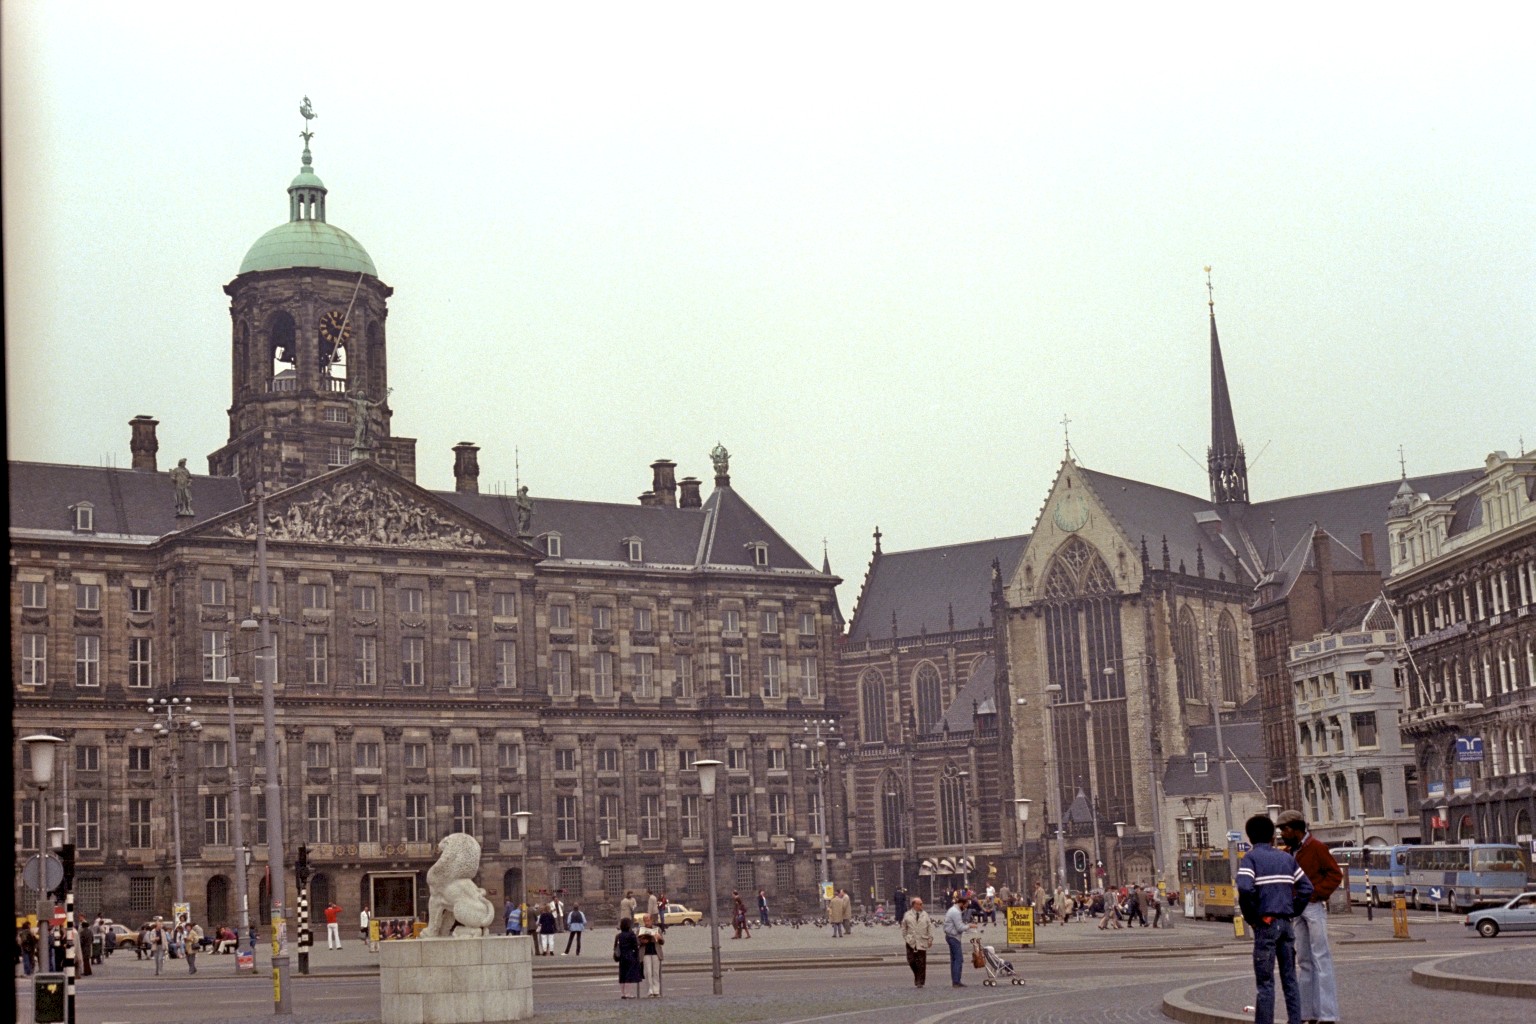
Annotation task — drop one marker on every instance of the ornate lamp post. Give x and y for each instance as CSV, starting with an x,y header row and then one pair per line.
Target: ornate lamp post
x,y
816,743
42,750
1021,811
707,769
237,836
1053,804
522,841
1120,852
177,722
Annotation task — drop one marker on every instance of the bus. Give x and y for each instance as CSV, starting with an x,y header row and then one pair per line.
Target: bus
x,y
1382,864
1205,878
1466,875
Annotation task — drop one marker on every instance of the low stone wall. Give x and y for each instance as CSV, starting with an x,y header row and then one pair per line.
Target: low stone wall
x,y
456,981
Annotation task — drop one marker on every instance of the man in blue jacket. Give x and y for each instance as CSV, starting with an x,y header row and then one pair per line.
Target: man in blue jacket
x,y
1271,890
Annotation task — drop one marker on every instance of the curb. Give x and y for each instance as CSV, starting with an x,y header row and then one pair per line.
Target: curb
x,y
1430,976
1177,1005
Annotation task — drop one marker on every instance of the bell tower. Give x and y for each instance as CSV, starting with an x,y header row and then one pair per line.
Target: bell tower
x,y
309,371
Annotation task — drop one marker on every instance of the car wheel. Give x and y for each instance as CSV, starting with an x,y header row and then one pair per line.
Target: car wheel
x,y
1487,928
692,924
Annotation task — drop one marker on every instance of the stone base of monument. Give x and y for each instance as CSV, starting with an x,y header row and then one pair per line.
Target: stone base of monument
x,y
483,980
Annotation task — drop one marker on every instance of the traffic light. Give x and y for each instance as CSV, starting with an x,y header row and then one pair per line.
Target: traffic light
x,y
67,880
301,869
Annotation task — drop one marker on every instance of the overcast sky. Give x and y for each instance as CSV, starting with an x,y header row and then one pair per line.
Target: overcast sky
x,y
879,255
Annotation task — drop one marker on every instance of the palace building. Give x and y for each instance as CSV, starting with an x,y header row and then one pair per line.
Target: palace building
x,y
441,660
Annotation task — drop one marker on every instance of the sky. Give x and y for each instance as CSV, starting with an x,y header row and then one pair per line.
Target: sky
x,y
880,252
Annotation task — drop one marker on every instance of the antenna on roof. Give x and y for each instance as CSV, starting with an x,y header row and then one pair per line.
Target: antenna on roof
x,y
1259,456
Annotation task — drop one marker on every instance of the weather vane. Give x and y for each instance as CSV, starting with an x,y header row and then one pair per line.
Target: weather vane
x,y
308,113
1210,290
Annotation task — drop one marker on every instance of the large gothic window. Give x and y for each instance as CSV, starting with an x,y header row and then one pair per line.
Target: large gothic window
x,y
1231,670
872,695
893,808
1084,657
951,807
930,701
1187,655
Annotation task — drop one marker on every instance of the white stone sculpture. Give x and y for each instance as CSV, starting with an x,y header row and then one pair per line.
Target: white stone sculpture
x,y
456,906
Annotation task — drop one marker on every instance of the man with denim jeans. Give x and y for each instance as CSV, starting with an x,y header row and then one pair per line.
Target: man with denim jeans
x,y
1272,891
955,928
1314,960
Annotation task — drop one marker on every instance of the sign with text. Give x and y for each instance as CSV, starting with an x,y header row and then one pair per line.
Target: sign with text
x,y
1469,748
1021,926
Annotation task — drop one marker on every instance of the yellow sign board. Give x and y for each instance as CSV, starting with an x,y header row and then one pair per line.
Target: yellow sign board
x,y
828,891
1021,926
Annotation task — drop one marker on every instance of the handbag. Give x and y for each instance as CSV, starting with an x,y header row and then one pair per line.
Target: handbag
x,y
978,959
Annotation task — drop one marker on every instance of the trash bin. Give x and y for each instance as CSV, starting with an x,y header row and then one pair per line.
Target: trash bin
x,y
48,998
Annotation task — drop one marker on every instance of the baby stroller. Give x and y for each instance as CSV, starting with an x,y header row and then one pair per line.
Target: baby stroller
x,y
996,966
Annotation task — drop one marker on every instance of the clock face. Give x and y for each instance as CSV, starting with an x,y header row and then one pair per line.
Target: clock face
x,y
334,329
1071,513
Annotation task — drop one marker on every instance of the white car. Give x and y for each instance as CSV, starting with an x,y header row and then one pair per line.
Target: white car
x,y
1518,915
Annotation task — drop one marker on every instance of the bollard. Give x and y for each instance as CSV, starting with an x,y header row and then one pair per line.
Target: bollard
x,y
1399,918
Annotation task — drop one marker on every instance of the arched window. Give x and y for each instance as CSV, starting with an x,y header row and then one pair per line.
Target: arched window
x,y
1186,655
1231,669
894,812
929,698
951,807
1305,742
872,695
283,352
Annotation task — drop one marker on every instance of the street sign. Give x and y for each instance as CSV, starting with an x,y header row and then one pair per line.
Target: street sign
x,y
1234,837
1244,847
53,873
1436,894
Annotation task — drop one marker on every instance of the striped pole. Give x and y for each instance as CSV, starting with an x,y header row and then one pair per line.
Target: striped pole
x,y
305,938
70,943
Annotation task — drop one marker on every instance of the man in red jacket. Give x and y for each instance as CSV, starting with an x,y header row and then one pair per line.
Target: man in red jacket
x,y
1314,960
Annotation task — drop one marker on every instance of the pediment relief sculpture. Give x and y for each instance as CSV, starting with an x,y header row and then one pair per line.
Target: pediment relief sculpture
x,y
349,512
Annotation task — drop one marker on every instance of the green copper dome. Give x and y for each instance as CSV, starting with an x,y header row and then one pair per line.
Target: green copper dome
x,y
308,243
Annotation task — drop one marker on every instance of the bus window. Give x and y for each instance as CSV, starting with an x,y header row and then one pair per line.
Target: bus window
x,y
1509,858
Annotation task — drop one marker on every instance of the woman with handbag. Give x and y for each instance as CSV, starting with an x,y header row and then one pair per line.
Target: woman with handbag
x,y
626,953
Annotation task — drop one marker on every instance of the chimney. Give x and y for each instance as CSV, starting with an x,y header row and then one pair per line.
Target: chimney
x,y
1368,550
1322,556
648,498
466,468
143,443
664,482
690,498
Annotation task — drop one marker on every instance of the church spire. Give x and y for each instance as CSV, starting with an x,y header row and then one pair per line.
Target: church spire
x,y
1225,460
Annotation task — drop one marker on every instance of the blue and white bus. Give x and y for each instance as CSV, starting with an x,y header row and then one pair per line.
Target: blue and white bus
x,y
1386,872
1465,876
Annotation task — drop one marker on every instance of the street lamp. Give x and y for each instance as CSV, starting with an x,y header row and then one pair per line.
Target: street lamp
x,y
1365,860
1120,852
1053,805
816,744
965,828
176,724
602,847
41,749
707,769
522,841
1273,810
238,836
1021,810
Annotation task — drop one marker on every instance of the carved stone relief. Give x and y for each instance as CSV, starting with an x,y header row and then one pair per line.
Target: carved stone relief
x,y
349,512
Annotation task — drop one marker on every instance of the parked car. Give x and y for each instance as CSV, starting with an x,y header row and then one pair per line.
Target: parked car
x,y
1518,915
679,914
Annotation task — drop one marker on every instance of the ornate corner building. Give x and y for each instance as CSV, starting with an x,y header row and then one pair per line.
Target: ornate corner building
x,y
441,660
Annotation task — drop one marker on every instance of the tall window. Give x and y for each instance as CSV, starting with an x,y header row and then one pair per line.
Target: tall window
x,y
810,679
682,619
872,701
410,600
504,604
645,676
140,830
88,823
367,817
730,673
816,820
506,817
215,656
684,669
415,817
608,817
365,599
212,592
317,816
459,602
1186,654
464,813
461,657
560,673
688,815
461,755
88,661
215,819
1370,793
1231,669
650,816
141,662
602,674
951,809
34,594
741,814
565,819
930,707
559,616
413,661
140,600
366,660
315,596
34,659
509,755
316,659
602,617
365,754
773,675
415,755
27,823
807,623
778,814
215,753
506,663
771,618
642,619
730,621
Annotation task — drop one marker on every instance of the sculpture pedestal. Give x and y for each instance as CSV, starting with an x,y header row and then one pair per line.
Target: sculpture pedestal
x,y
483,980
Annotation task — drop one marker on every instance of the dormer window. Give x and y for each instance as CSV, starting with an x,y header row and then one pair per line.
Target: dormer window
x,y
85,517
1202,763
759,551
634,550
552,545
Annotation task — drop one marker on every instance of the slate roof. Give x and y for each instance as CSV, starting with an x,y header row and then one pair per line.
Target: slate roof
x,y
1369,615
922,586
1146,510
1303,558
716,534
977,696
1245,738
129,503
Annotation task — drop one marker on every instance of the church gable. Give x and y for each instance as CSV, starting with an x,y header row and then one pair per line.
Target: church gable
x,y
365,506
1074,519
